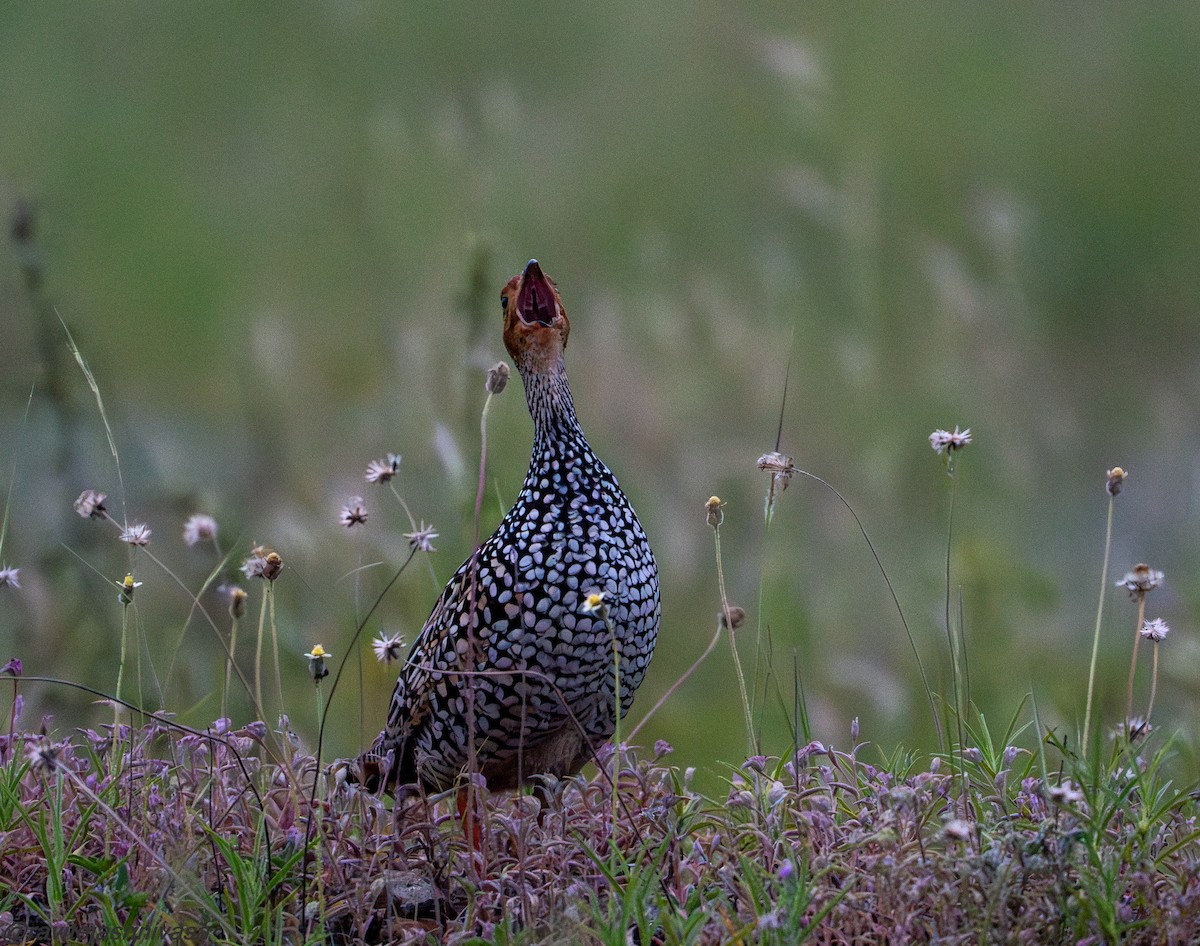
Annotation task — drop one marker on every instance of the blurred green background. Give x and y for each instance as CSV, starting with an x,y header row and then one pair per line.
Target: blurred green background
x,y
278,231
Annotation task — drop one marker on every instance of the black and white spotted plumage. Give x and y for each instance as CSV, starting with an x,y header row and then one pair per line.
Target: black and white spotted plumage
x,y
539,668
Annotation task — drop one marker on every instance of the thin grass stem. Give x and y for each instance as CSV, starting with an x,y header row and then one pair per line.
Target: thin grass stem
x,y
1087,713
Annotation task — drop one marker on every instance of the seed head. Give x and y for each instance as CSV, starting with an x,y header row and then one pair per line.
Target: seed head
x,y
136,534
10,577
1155,630
1114,480
422,539
354,513
316,662
497,377
125,589
944,440
199,528
380,471
90,504
1140,579
712,511
387,647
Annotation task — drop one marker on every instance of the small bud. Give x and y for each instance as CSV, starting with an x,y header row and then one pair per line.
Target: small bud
x,y
732,618
497,377
237,602
1115,480
712,510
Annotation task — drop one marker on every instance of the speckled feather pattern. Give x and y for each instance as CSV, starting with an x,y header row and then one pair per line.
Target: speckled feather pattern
x,y
542,668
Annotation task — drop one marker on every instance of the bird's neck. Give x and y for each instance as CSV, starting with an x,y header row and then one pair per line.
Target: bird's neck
x,y
549,398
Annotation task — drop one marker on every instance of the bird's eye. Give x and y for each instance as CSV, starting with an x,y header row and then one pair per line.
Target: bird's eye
x,y
503,302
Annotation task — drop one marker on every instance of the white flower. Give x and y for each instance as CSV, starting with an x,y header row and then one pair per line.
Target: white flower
x,y
380,471
945,440
199,528
137,534
1155,630
387,648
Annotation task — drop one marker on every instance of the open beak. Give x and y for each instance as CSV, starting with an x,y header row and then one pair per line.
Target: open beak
x,y
535,298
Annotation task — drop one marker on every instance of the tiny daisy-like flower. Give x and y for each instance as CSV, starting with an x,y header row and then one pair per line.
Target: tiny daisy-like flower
x,y
43,756
10,577
90,504
1155,630
712,511
1140,579
380,471
387,647
594,604
126,588
422,539
1114,479
262,563
497,377
354,513
316,662
136,534
199,528
944,440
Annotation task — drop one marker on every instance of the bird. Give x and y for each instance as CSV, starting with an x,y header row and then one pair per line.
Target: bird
x,y
512,676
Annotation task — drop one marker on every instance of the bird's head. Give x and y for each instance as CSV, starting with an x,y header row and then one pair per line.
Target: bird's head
x,y
535,323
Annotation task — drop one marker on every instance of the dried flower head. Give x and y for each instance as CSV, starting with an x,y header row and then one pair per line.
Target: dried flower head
x,y
387,647
44,756
354,513
712,511
136,534
380,471
262,563
10,577
126,587
316,662
90,504
956,829
780,466
1114,480
944,440
199,528
594,603
422,539
1155,630
497,377
1140,579
732,619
